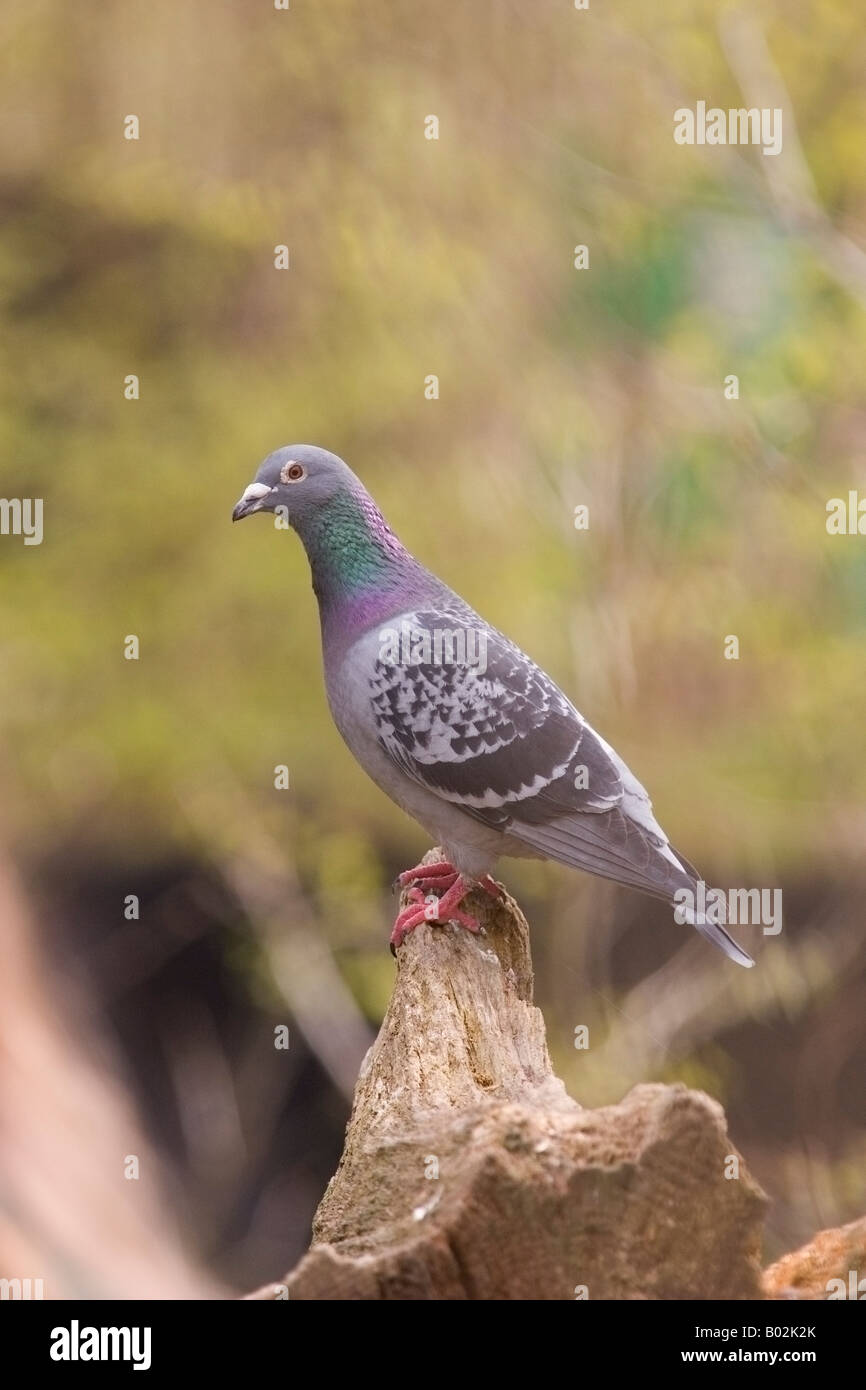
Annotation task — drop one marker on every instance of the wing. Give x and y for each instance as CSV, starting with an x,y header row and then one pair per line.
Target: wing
x,y
470,717
480,725
466,714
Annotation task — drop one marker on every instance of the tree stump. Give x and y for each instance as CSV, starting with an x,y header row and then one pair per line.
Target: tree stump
x,y
469,1173
831,1266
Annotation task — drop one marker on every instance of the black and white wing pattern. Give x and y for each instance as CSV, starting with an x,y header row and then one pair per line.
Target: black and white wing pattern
x,y
483,727
469,716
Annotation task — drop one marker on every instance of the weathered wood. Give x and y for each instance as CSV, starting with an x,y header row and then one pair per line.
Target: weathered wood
x,y
832,1265
469,1173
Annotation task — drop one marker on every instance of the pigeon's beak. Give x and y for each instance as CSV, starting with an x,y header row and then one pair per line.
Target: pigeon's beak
x,y
251,501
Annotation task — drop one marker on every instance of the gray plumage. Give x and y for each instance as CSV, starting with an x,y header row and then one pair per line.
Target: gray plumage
x,y
451,719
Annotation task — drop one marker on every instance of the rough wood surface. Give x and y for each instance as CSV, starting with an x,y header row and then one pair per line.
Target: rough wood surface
x,y
832,1265
469,1173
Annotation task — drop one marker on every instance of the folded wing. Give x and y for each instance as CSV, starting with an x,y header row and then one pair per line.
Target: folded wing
x,y
470,717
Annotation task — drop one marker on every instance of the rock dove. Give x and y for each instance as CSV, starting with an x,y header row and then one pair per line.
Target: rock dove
x,y
453,721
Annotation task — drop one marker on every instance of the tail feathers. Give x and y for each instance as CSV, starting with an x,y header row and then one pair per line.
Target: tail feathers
x,y
710,922
634,853
714,932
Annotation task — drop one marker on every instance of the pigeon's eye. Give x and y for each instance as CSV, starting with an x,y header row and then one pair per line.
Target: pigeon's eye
x,y
293,473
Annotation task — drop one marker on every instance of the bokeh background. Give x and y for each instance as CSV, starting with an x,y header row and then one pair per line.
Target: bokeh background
x,y
154,1038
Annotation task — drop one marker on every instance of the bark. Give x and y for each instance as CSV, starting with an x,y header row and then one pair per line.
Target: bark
x,y
469,1173
832,1265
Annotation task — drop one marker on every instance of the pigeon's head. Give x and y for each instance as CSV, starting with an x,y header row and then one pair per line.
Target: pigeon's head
x,y
300,478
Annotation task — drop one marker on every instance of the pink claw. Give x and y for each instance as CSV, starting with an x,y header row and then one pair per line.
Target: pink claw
x,y
415,897
442,884
444,909
420,871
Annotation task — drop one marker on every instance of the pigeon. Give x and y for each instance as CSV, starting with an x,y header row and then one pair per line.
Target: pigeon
x,y
455,723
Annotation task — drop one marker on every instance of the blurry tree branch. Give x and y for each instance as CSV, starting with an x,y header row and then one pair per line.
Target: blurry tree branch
x,y
788,175
261,875
689,1000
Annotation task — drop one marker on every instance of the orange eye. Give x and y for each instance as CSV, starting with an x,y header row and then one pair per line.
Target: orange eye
x,y
293,473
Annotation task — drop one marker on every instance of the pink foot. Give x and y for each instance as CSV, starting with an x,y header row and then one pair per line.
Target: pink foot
x,y
444,909
427,871
443,875
441,884
416,900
